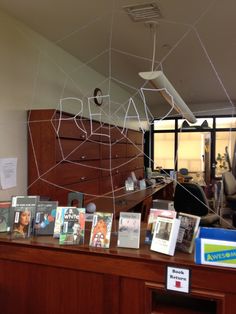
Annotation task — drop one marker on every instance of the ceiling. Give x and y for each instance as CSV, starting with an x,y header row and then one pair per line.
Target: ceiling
x,y
195,43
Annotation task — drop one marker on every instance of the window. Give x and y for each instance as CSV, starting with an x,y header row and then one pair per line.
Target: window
x,y
225,123
191,151
201,123
164,144
224,149
164,125
180,144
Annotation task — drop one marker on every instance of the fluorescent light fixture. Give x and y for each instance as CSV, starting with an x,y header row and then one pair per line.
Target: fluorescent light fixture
x,y
160,82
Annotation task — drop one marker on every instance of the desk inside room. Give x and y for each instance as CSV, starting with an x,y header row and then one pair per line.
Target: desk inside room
x,y
137,200
40,276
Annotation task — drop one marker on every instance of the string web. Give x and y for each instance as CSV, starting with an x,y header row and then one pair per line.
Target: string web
x,y
130,108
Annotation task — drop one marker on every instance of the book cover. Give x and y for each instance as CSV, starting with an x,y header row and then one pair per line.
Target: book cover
x,y
22,215
129,230
187,232
165,235
45,217
101,230
21,223
72,229
60,212
152,218
4,216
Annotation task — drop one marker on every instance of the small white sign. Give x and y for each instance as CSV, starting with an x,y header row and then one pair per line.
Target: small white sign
x,y
178,279
8,169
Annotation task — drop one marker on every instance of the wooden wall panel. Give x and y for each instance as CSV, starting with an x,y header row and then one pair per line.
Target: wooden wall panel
x,y
32,288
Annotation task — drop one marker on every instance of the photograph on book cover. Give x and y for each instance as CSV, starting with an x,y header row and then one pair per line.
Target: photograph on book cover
x,y
21,225
187,232
163,230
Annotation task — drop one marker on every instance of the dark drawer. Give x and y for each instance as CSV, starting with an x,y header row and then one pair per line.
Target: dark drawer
x,y
134,150
117,150
69,173
76,150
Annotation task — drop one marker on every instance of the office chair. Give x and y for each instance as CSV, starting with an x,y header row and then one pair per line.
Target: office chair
x,y
185,174
75,199
229,184
190,198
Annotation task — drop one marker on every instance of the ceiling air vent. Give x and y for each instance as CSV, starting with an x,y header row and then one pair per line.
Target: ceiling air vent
x,y
143,12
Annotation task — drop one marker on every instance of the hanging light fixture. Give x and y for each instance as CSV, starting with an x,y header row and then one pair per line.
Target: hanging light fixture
x,y
160,82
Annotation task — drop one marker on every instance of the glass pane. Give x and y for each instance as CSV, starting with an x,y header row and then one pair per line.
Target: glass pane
x,y
191,151
225,142
225,123
164,125
164,144
201,122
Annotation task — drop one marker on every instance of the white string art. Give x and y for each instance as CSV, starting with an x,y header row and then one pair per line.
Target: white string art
x,y
134,109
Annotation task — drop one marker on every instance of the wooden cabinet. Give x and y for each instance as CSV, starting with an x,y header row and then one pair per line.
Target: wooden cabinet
x,y
67,153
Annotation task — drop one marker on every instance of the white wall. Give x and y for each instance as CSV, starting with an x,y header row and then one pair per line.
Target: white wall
x,y
36,74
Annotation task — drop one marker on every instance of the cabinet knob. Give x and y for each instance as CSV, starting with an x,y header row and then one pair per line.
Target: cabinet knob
x,y
82,136
83,157
82,178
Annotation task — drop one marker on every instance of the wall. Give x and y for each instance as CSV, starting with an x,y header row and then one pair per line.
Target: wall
x,y
37,74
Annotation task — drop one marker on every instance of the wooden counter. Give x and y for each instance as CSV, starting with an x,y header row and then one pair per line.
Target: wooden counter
x,y
122,200
39,276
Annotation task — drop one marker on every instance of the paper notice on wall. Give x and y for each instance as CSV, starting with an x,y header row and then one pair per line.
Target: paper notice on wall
x,y
8,167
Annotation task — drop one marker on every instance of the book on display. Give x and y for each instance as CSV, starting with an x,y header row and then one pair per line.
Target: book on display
x,y
129,230
101,230
73,227
189,225
45,217
165,235
4,216
22,214
60,213
152,218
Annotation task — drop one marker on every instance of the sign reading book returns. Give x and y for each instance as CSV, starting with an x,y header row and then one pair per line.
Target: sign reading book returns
x,y
178,279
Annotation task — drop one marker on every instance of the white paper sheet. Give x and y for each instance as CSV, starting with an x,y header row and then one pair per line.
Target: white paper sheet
x,y
8,167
